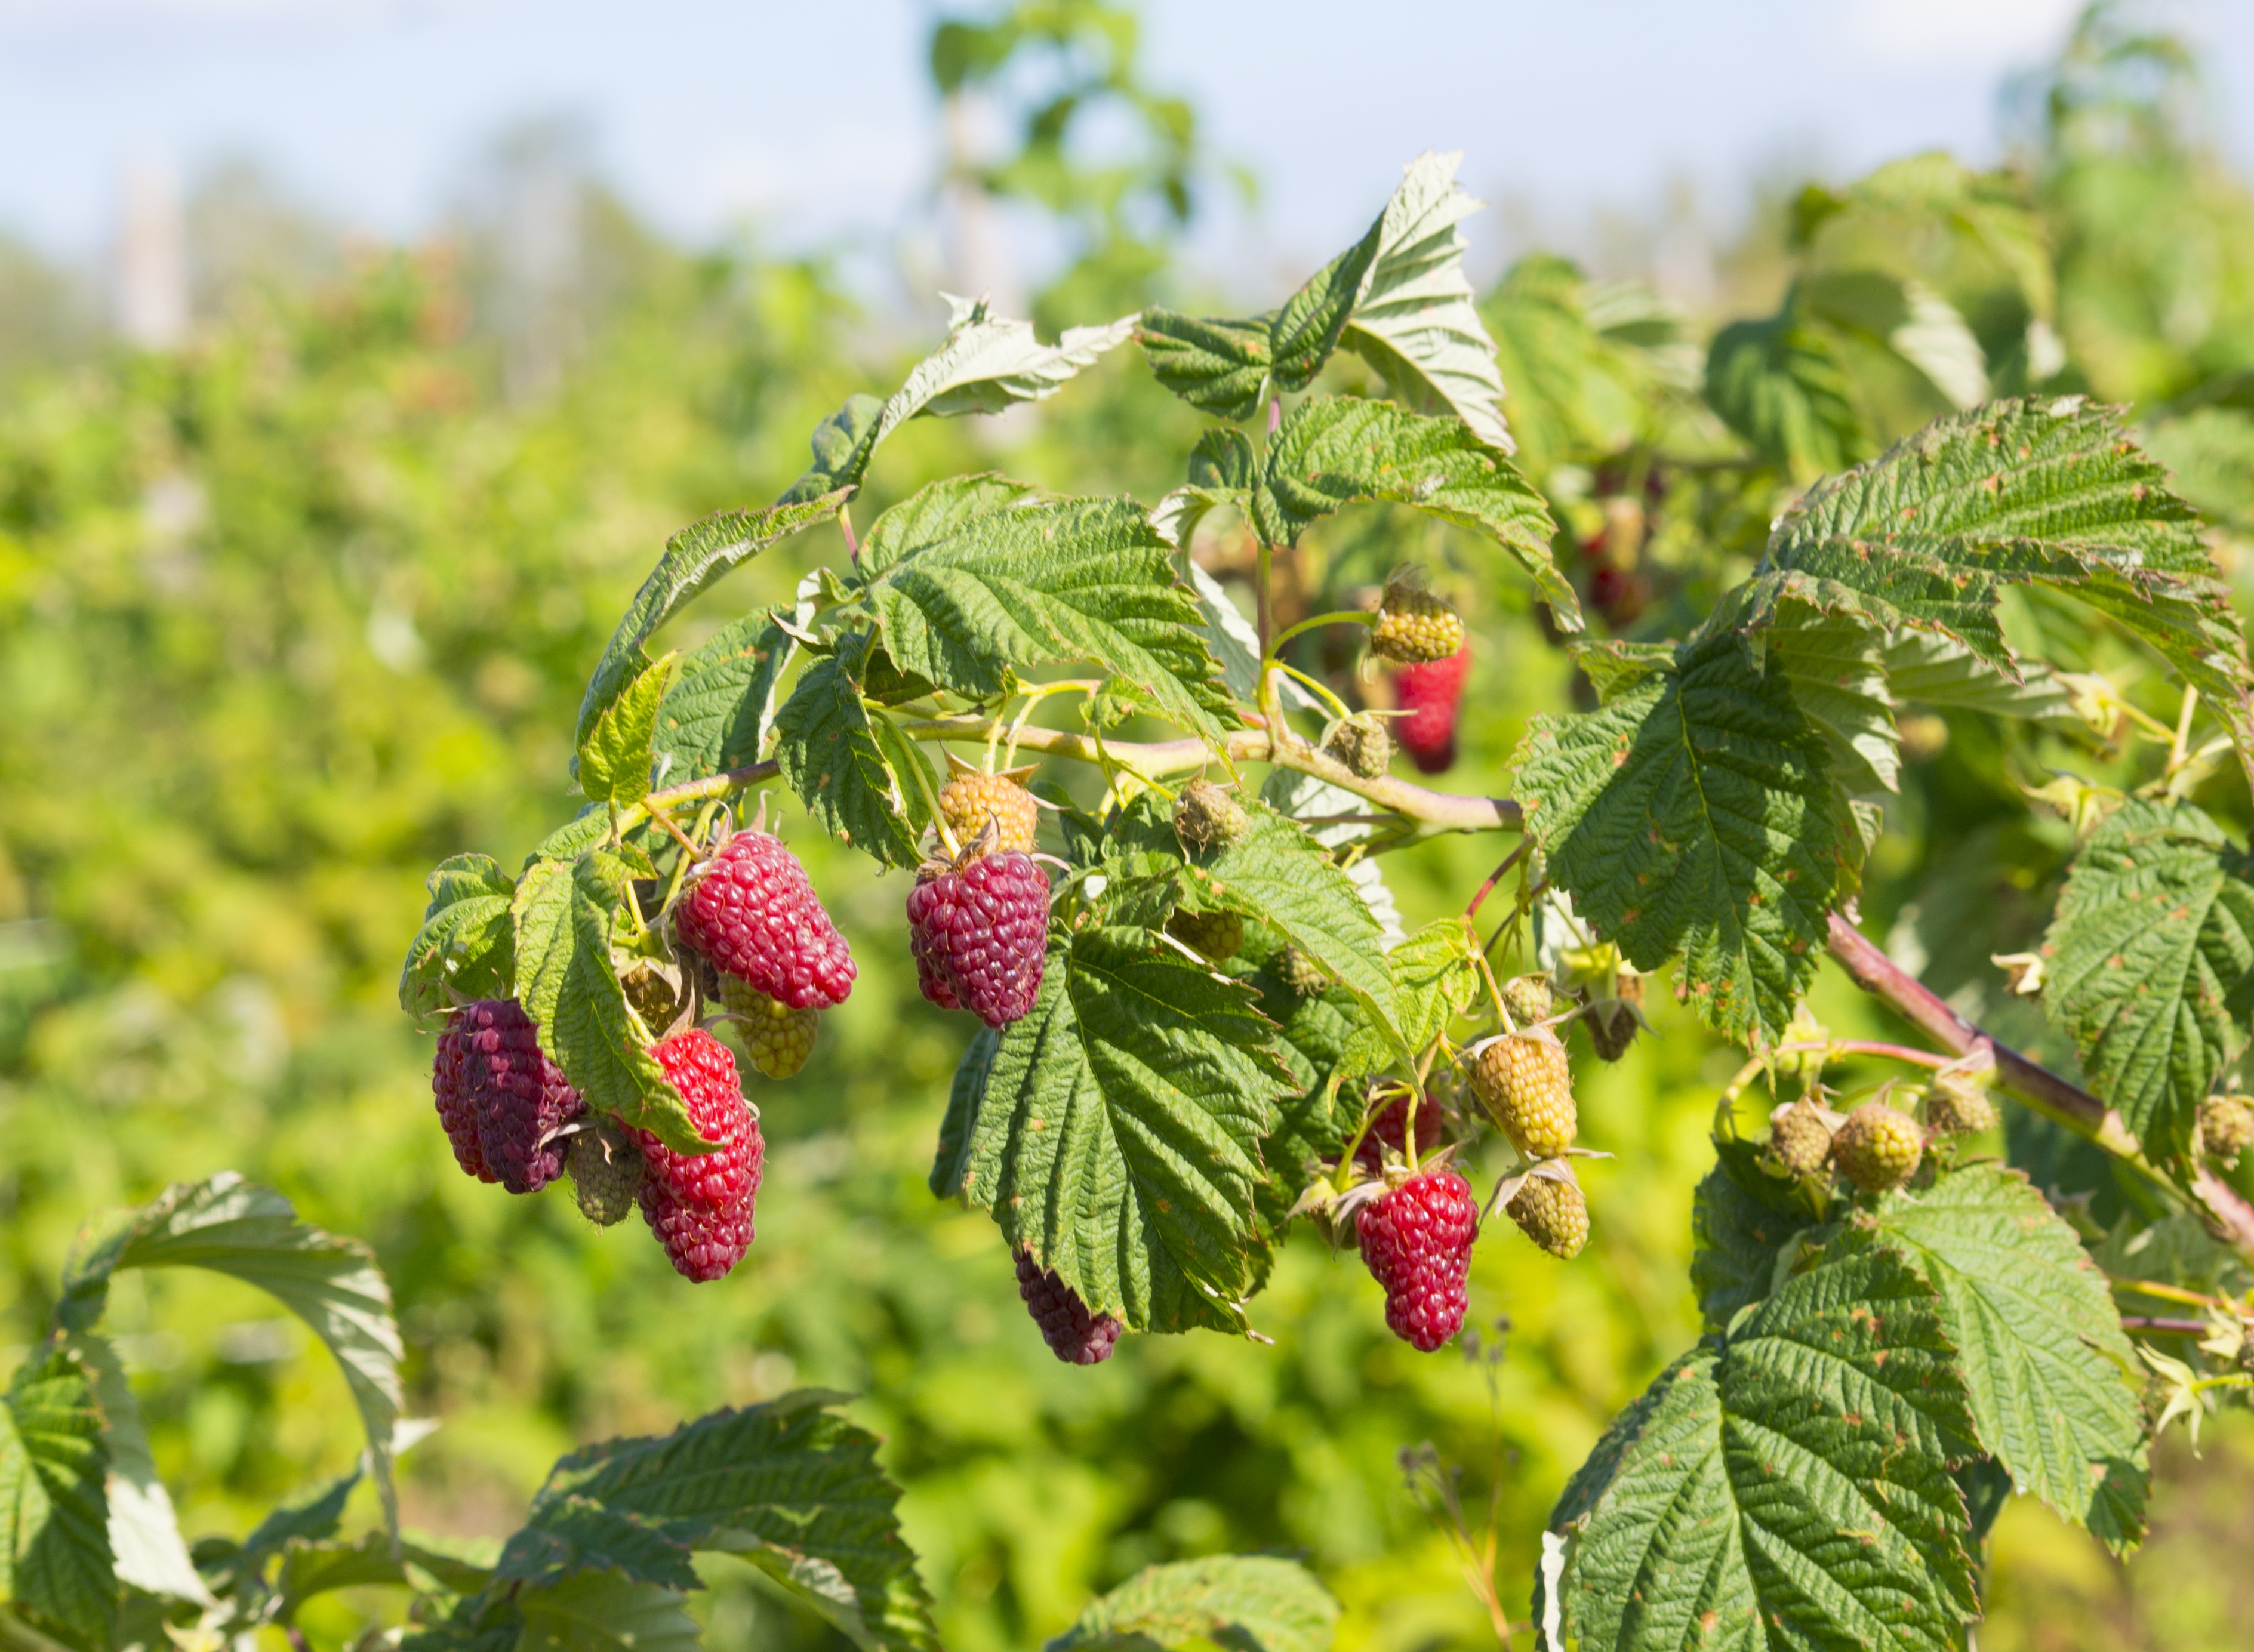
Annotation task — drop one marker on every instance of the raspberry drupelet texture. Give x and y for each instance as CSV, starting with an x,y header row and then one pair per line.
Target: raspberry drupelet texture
x,y
1526,1084
980,932
1214,936
1555,1215
1878,1148
753,915
1417,1242
1362,745
456,1113
1430,693
1073,1334
699,1205
1414,627
606,1171
518,1096
972,802
1800,1142
778,1037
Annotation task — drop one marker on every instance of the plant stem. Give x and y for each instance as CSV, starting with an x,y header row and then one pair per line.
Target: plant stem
x,y
1339,617
1264,563
2165,1326
1492,879
2063,1104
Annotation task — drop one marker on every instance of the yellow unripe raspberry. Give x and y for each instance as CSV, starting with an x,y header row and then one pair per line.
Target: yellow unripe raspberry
x,y
1214,936
1878,1148
1527,1086
970,801
778,1037
1800,1142
1414,627
1958,1104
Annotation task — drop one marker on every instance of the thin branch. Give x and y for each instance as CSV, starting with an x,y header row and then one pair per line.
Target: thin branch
x,y
2165,1327
2064,1103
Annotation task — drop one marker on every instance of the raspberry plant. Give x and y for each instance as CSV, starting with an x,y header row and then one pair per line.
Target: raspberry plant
x,y
1900,1331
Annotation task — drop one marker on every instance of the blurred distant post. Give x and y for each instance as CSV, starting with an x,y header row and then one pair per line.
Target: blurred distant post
x,y
153,259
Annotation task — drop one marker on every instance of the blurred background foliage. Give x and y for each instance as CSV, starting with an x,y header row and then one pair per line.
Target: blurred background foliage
x,y
290,612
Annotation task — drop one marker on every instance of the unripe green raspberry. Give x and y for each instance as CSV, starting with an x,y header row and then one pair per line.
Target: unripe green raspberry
x,y
2226,1127
972,802
1214,936
1527,1086
1300,973
1878,1148
1362,745
1529,999
1207,815
607,1172
1555,1215
1958,1104
776,1036
1414,627
1800,1142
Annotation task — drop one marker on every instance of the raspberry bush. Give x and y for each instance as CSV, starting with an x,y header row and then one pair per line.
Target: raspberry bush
x,y
1141,836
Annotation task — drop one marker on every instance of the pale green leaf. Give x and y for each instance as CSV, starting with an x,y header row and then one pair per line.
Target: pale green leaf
x,y
1246,1603
1838,680
1117,1137
1924,668
55,1558
1908,318
719,715
226,1225
614,759
1050,581
467,943
935,515
1337,450
1435,979
1788,1485
2050,1373
789,1486
855,774
986,364
2150,959
693,559
1695,814
1417,321
144,1532
567,914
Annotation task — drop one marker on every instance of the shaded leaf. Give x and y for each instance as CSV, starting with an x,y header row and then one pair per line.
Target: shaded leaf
x,y
1742,1220
1246,1603
1780,384
854,773
55,1560
719,715
467,940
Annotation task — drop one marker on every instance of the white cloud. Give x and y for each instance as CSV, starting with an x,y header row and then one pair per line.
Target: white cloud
x,y
1971,34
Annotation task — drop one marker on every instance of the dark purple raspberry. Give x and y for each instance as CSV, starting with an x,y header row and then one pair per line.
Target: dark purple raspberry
x,y
519,1097
752,913
1390,1128
456,1111
699,1205
979,932
1073,1334
1416,1242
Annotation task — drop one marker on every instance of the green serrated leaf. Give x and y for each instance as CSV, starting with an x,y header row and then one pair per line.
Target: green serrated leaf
x,y
2050,1373
855,773
2151,963
1788,1484
1742,1220
935,515
1247,1603
1118,1136
951,1156
1318,1036
1223,458
1278,875
1838,680
1695,814
1053,581
789,1485
1416,320
55,1559
600,1612
1218,367
145,1531
1924,668
1779,383
466,941
226,1225
1336,451
567,914
717,717
1302,334
1435,979
987,363
614,759
693,559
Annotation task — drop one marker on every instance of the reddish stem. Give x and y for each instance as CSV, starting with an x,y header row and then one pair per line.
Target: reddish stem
x,y
2166,1328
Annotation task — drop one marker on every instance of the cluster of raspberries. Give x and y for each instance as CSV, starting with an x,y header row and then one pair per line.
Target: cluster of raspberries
x,y
978,923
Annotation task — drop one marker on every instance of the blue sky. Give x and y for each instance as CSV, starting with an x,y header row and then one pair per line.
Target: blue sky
x,y
816,121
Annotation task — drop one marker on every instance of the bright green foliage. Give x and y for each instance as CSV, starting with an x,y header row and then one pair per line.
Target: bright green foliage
x,y
1255,1603
1793,1471
721,712
857,777
54,1542
1434,978
1216,366
1117,1134
1694,815
614,759
569,914
1337,450
467,943
2151,963
790,1486
2051,1378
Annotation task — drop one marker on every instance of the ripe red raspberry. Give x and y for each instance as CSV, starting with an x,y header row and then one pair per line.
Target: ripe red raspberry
x,y
1417,1242
752,913
519,1097
1430,694
1073,1334
979,932
699,1205
456,1111
1390,1128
